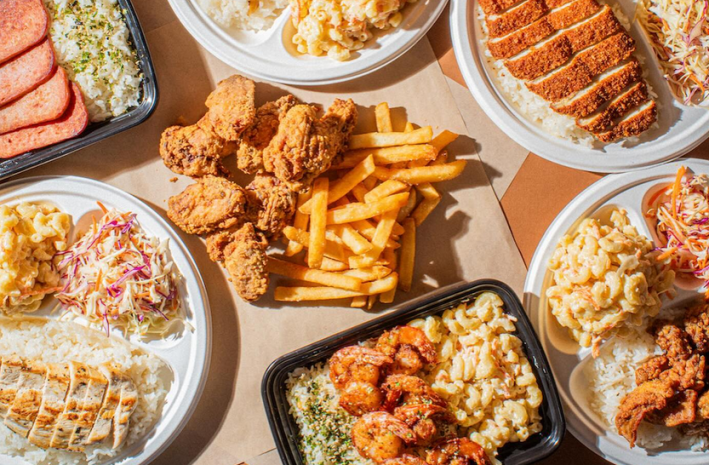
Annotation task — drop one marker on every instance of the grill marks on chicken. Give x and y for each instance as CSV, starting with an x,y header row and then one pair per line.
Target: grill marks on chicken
x,y
65,406
576,55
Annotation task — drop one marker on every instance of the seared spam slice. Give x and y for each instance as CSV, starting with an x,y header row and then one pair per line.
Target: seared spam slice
x,y
88,409
54,392
126,406
10,372
633,124
559,49
79,381
602,120
104,421
556,20
516,18
580,72
493,7
604,88
23,411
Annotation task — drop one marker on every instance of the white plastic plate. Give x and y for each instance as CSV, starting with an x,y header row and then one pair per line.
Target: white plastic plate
x,y
186,354
627,191
681,128
270,55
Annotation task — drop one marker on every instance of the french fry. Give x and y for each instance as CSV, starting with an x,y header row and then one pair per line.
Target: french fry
x,y
318,222
385,189
359,302
443,139
363,211
422,135
390,256
354,240
367,229
360,190
407,257
388,155
357,262
369,274
408,208
379,241
441,159
397,230
371,301
422,174
300,293
342,186
302,273
300,221
370,182
383,116
424,209
332,249
328,264
409,127
428,191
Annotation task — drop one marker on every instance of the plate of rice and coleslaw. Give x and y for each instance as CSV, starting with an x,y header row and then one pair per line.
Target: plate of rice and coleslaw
x,y
603,86
617,291
98,282
308,42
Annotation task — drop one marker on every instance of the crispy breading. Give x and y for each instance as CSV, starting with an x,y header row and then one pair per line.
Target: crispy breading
x,y
516,18
249,156
231,107
703,406
680,410
270,204
633,125
195,150
491,7
210,204
601,92
651,369
696,324
672,339
619,106
647,398
245,259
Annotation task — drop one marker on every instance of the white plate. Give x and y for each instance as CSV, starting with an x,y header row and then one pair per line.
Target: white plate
x,y
681,128
188,354
268,54
625,191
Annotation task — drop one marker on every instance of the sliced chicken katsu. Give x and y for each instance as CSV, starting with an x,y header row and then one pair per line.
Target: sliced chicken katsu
x,y
493,7
126,406
10,372
23,411
104,421
88,409
515,18
581,70
602,120
561,47
604,88
54,391
557,19
80,379
635,123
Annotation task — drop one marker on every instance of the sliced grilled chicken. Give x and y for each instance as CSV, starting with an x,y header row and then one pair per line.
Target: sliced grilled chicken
x,y
23,411
104,421
126,406
602,120
561,47
88,409
633,124
580,71
604,88
10,372
53,394
558,19
78,388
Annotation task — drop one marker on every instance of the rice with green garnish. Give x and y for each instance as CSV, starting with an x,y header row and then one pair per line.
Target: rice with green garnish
x,y
92,43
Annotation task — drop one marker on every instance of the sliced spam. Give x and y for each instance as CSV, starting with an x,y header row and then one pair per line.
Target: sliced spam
x,y
23,23
26,71
70,124
47,102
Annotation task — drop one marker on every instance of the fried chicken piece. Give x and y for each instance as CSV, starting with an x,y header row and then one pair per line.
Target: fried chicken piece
x,y
651,369
231,107
243,253
689,374
680,410
255,139
703,406
195,150
270,204
210,204
306,146
672,339
696,324
647,398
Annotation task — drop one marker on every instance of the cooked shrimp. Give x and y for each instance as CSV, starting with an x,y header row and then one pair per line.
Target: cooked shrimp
x,y
458,451
360,397
405,459
356,363
380,436
409,390
421,418
408,347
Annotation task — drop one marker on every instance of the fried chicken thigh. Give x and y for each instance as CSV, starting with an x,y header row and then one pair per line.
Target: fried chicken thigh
x,y
231,107
212,203
270,204
305,146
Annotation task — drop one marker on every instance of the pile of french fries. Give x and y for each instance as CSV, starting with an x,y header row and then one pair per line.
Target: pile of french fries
x,y
359,226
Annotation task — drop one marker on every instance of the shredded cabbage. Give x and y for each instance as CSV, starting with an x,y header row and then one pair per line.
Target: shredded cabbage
x,y
679,33
116,275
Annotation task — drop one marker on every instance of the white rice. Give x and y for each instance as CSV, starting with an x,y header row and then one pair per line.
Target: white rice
x,y
51,341
92,43
234,14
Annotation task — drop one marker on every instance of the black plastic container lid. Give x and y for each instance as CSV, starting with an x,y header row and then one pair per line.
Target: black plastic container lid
x,y
535,448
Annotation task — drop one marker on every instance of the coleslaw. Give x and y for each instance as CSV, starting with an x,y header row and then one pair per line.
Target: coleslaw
x,y
117,275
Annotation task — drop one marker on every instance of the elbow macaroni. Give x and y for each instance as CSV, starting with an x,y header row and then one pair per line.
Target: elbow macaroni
x,y
483,372
603,276
30,235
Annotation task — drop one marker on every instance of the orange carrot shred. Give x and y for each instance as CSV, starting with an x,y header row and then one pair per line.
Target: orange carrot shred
x,y
102,207
676,188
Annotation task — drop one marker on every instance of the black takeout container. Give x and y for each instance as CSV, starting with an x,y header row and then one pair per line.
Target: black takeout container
x,y
96,132
537,446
